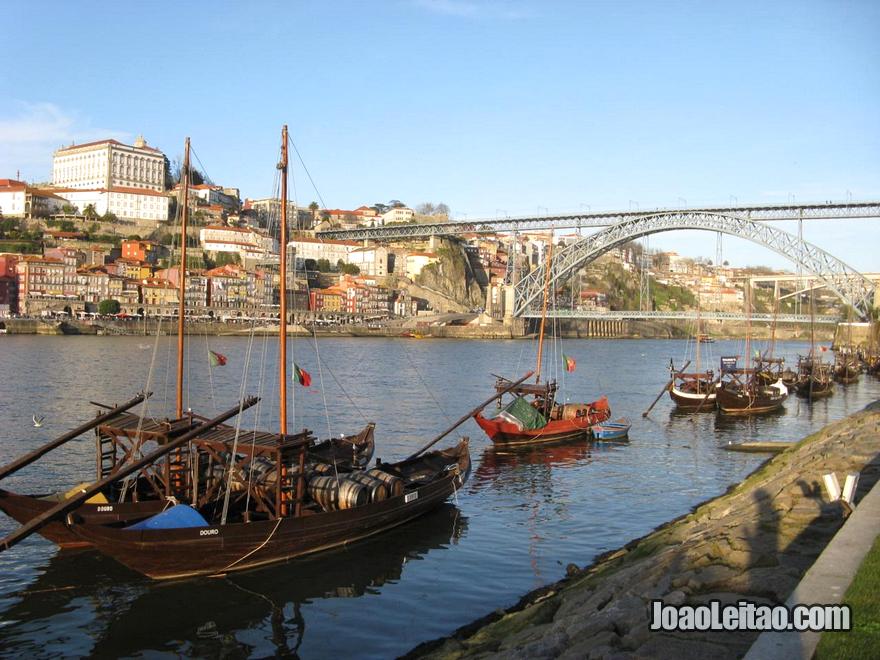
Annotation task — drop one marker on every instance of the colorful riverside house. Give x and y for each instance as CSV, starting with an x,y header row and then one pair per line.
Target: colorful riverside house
x,y
326,300
158,294
230,286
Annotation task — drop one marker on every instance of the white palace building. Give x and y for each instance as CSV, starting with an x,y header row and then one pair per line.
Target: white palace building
x,y
128,181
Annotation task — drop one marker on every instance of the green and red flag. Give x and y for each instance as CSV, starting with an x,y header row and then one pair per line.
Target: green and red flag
x,y
303,376
217,360
570,364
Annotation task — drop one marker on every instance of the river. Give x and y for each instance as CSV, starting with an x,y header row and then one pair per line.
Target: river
x,y
517,523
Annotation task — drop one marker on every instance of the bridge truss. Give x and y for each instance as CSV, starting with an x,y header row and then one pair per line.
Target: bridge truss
x,y
852,287
763,213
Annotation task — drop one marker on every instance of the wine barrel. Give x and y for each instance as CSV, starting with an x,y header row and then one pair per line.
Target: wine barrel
x,y
324,491
352,494
376,488
392,483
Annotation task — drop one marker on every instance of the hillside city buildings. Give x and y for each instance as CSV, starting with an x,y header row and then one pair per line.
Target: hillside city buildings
x,y
104,232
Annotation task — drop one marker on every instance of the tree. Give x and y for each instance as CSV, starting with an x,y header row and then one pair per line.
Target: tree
x,y
90,212
109,217
396,204
310,264
323,265
380,208
227,258
428,208
109,306
169,179
69,209
313,207
196,178
349,269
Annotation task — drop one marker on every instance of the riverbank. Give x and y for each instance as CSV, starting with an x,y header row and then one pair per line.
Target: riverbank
x,y
426,329
755,542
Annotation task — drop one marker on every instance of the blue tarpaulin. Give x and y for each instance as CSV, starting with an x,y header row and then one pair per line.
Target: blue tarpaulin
x,y
176,517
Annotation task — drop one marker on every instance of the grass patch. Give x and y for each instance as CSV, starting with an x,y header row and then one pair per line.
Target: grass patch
x,y
863,641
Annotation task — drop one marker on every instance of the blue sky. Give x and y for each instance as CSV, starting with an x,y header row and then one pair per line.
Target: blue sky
x,y
491,107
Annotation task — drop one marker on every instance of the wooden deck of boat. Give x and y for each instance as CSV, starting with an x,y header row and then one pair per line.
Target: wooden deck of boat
x,y
162,430
148,427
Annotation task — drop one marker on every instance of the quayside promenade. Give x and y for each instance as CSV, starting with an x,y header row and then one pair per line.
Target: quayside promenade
x,y
756,542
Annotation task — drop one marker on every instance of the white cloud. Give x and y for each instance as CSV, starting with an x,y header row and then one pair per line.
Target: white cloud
x,y
480,9
30,132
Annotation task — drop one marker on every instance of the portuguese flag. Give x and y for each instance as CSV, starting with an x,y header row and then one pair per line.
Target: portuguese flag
x,y
217,360
570,364
303,376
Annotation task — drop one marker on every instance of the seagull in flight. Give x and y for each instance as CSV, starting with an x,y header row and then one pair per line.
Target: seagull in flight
x,y
38,421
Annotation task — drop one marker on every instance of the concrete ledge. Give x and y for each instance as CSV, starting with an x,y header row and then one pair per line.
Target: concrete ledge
x,y
826,581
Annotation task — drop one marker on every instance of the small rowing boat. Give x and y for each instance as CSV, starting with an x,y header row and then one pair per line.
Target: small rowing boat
x,y
616,430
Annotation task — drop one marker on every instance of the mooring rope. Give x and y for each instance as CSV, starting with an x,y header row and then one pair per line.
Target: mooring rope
x,y
257,549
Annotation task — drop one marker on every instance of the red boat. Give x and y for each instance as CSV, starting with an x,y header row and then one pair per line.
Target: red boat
x,y
570,421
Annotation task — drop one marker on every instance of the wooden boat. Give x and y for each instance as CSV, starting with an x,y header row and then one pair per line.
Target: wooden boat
x,y
551,422
143,499
616,430
847,369
693,391
541,420
705,339
814,379
216,548
742,391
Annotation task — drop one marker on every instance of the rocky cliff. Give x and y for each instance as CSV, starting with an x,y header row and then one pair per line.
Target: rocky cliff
x,y
452,276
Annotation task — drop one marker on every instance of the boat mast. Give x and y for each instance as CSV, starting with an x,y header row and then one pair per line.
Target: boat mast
x,y
282,332
181,291
544,309
748,327
699,340
812,330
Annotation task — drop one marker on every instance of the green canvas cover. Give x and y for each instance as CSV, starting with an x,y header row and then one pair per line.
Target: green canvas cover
x,y
523,414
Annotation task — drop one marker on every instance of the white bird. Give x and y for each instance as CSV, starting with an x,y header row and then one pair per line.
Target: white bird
x,y
37,422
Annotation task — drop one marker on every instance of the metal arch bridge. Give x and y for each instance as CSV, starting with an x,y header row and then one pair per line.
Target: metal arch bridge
x,y
763,213
855,289
689,316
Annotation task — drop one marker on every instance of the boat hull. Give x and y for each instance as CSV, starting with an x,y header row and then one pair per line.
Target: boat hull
x,y
617,430
691,401
508,434
220,549
818,390
747,403
24,508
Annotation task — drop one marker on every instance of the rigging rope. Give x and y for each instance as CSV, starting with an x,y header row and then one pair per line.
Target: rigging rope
x,y
128,481
241,392
425,385
306,169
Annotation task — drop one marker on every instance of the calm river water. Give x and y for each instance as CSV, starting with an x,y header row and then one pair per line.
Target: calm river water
x,y
517,523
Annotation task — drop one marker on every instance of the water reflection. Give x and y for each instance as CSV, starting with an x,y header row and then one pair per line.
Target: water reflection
x,y
98,607
527,464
